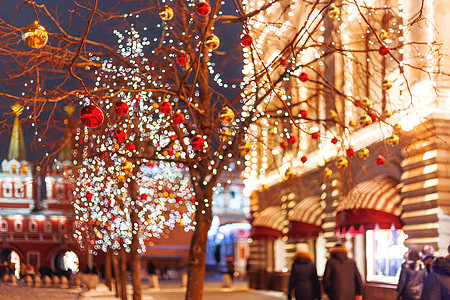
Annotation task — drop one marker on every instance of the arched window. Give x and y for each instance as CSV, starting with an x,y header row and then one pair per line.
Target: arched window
x,y
3,226
32,226
48,227
18,226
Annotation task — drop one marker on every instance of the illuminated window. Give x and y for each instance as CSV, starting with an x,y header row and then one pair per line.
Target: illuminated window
x,y
24,169
385,250
48,227
32,226
13,169
3,226
18,226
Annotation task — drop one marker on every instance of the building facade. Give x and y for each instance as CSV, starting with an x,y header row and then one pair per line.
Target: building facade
x,y
380,187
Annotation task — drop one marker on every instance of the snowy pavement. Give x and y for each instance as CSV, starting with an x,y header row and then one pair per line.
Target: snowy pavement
x,y
31,293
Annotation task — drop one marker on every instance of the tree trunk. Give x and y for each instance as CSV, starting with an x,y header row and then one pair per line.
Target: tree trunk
x,y
115,261
108,269
123,274
197,252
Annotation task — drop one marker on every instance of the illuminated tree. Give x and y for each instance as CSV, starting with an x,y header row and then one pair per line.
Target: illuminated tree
x,y
169,69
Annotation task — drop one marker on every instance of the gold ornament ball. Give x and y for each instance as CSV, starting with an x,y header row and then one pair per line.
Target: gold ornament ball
x,y
272,131
387,113
366,102
166,13
332,115
363,153
244,147
35,35
393,140
226,115
333,12
384,35
225,134
327,173
352,123
288,173
212,42
387,84
397,127
365,120
341,162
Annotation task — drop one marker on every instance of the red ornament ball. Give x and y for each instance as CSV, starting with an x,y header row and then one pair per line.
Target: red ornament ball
x,y
130,147
203,8
292,139
334,140
166,108
303,159
198,142
303,77
384,50
284,62
144,196
350,152
120,135
178,119
303,113
284,144
381,160
183,58
89,196
315,135
246,40
170,151
179,165
91,116
150,164
121,108
357,102
179,199
373,117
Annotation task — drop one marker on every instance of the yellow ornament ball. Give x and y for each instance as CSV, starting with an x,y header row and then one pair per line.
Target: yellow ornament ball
x,y
393,140
333,12
166,13
351,123
363,153
225,134
341,162
244,147
226,115
366,102
288,173
212,42
387,113
327,172
365,120
35,35
384,35
387,84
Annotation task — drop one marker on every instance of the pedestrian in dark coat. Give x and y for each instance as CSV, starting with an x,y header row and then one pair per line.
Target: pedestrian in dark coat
x,y
303,279
413,273
437,284
342,280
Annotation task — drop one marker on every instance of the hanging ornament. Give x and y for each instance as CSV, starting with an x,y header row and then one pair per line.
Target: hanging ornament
x,y
283,144
128,167
291,140
315,135
363,153
203,8
384,35
351,123
357,102
246,40
198,142
303,159
366,103
121,108
333,12
35,35
166,13
226,115
387,113
288,173
373,116
393,140
212,42
284,62
244,147
365,120
225,133
303,114
89,196
178,118
150,164
144,196
183,58
387,84
334,140
120,135
179,165
332,115
350,152
341,162
384,50
91,116
272,131
380,160
130,147
303,77
327,172
166,107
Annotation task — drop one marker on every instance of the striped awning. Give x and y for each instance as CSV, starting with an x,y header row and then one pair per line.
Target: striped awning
x,y
271,217
372,203
307,211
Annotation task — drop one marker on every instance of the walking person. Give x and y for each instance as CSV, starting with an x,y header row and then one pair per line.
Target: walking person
x,y
413,273
436,285
303,279
342,280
